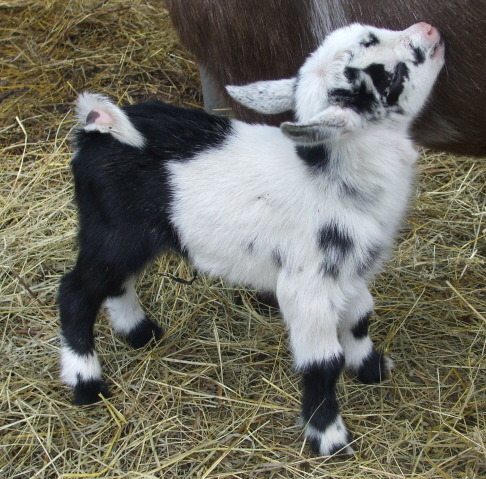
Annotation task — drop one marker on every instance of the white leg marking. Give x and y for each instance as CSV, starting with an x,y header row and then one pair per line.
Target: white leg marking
x,y
75,367
333,437
125,311
355,350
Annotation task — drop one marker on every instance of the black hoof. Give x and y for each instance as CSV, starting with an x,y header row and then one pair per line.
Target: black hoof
x,y
374,369
88,392
144,333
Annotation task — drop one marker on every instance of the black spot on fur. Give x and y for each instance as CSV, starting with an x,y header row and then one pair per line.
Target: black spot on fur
x,y
319,403
370,41
360,329
359,98
332,236
396,87
336,244
251,247
317,157
143,333
374,368
419,55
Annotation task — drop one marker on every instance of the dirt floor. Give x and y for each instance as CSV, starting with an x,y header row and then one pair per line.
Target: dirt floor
x,y
217,396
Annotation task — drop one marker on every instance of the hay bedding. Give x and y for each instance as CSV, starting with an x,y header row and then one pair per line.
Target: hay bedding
x,y
217,397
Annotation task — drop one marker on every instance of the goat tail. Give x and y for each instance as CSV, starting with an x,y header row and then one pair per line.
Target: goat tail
x,y
96,112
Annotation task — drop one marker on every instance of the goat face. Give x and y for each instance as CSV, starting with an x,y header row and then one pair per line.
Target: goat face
x,y
360,76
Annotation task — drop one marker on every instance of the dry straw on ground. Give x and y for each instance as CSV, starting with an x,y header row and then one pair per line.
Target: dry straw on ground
x,y
217,397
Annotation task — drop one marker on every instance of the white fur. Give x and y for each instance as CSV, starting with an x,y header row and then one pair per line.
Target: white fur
x,y
117,122
266,97
285,215
125,311
333,436
76,367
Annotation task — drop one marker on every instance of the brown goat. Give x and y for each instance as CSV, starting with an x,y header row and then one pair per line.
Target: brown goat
x,y
237,42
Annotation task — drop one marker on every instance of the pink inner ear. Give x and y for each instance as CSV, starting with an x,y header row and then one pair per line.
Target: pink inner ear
x,y
98,117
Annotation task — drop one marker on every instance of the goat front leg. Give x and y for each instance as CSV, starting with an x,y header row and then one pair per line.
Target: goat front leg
x,y
311,314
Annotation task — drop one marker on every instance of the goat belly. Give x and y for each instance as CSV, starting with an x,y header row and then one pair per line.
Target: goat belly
x,y
241,209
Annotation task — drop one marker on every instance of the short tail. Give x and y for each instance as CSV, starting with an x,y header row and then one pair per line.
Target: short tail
x,y
97,113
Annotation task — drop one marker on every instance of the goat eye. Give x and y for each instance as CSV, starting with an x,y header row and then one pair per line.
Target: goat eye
x,y
370,41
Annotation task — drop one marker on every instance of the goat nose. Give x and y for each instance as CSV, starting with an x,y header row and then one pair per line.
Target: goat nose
x,y
428,31
427,28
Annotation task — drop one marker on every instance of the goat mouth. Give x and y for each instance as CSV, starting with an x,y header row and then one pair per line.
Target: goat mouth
x,y
438,48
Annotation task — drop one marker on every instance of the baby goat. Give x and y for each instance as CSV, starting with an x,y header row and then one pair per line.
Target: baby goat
x,y
306,211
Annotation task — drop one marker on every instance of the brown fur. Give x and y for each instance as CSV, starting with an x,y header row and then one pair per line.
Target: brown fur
x,y
239,42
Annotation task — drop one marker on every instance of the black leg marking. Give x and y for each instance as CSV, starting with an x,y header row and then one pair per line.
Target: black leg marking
x,y
324,427
319,404
87,392
360,329
374,369
143,333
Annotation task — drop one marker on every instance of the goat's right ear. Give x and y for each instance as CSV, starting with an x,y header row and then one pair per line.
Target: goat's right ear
x,y
268,97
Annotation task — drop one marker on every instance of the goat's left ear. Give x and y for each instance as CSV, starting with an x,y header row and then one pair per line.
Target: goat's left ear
x,y
331,123
269,97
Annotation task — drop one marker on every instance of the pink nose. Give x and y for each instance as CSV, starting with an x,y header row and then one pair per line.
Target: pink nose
x,y
429,32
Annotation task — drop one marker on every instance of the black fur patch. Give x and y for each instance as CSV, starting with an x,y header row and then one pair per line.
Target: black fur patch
x,y
143,333
336,244
351,74
317,157
319,403
359,98
360,329
87,392
332,236
380,77
124,201
370,41
418,54
374,369
396,87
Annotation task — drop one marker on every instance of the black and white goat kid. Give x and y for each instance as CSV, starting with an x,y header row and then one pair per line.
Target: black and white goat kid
x,y
307,211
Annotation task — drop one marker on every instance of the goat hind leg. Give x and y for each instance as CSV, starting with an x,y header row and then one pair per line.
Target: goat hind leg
x,y
80,367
